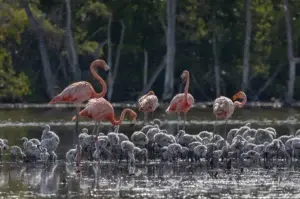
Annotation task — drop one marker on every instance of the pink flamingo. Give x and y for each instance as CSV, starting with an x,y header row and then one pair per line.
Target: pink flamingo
x,y
182,102
148,103
223,107
100,109
82,91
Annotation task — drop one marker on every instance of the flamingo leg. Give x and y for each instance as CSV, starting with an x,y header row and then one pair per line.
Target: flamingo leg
x,y
77,120
184,120
178,120
145,118
152,113
95,126
98,126
117,129
214,128
225,130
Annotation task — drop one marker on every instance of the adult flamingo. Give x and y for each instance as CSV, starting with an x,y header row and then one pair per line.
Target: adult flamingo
x,y
182,102
82,91
223,107
100,109
148,103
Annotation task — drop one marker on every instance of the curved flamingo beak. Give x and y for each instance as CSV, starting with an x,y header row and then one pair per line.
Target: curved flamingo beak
x,y
238,95
151,93
183,76
106,67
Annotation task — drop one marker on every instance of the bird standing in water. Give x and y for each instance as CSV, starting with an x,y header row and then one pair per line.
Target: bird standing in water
x,y
182,102
148,103
82,91
223,107
100,109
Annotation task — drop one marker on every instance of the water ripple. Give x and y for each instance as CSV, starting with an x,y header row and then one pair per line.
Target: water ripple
x,y
167,122
201,105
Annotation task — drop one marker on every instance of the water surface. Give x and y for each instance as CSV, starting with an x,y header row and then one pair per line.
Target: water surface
x,y
149,181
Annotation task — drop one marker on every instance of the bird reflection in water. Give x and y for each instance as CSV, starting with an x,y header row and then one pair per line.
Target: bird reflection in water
x,y
3,177
98,177
32,175
50,179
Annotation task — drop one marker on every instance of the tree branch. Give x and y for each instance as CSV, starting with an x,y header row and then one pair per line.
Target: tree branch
x,y
163,24
198,86
145,79
72,55
156,73
109,56
121,41
297,60
113,72
247,41
268,83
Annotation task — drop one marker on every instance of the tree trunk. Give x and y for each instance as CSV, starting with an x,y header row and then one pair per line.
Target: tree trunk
x,y
46,66
71,51
198,86
63,68
145,76
216,64
290,54
267,83
109,55
116,66
171,50
156,73
48,75
247,45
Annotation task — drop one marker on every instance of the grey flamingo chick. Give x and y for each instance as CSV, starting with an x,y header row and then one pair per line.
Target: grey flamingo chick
x,y
174,150
141,154
200,151
47,134
231,135
262,136
249,132
250,158
33,140
184,139
16,153
139,139
32,152
70,155
128,148
51,145
44,156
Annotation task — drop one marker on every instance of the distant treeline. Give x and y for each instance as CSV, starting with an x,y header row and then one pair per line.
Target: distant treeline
x,y
227,46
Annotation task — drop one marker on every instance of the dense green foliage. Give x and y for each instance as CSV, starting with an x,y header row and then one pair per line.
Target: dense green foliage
x,y
21,65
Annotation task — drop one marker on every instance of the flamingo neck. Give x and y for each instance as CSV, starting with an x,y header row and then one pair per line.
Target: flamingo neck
x,y
241,104
150,93
118,122
187,85
101,81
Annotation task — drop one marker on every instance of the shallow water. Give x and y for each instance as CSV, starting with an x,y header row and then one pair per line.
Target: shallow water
x,y
151,181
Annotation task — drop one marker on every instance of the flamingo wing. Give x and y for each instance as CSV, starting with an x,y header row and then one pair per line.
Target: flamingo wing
x,y
223,107
175,103
97,109
75,93
149,103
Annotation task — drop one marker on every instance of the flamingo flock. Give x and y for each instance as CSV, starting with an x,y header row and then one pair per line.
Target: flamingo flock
x,y
241,146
